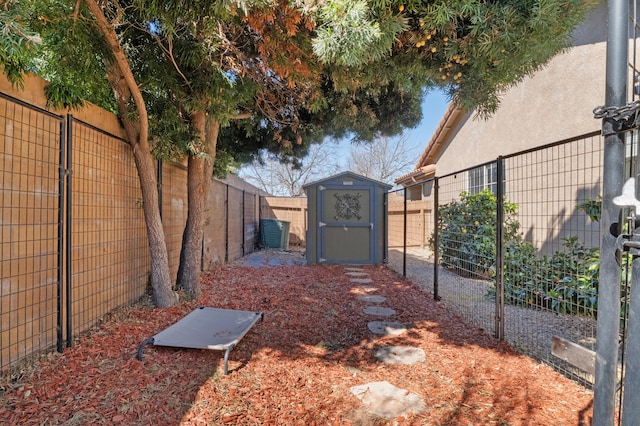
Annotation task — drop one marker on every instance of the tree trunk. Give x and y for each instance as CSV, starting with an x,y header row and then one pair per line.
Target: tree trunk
x,y
126,90
163,295
200,171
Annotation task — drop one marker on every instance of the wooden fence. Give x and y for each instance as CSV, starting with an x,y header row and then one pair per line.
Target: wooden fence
x,y
419,219
292,210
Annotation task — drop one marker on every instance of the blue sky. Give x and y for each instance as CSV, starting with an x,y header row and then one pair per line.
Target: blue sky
x,y
433,108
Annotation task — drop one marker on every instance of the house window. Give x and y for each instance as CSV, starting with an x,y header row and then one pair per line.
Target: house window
x,y
483,177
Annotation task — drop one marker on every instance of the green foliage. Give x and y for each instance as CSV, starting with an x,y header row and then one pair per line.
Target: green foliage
x,y
478,49
467,233
566,282
349,35
47,38
18,43
235,58
592,208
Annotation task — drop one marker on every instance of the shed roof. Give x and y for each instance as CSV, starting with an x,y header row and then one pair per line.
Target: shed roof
x,y
351,175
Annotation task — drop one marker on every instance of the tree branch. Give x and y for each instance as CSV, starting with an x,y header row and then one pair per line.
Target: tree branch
x,y
242,116
122,62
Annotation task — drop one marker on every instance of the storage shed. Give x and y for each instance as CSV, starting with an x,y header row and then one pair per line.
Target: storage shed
x,y
347,219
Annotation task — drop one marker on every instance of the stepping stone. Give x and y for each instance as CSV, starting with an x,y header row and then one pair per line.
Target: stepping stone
x,y
386,400
400,355
367,289
379,311
354,269
356,274
388,328
373,298
361,280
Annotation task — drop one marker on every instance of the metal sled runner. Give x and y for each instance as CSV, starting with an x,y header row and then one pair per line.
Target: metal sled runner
x,y
206,328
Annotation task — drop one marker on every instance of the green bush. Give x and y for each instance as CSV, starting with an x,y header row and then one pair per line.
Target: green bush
x,y
566,282
467,233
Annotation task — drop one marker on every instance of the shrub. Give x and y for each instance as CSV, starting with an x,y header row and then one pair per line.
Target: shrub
x,y
467,233
566,282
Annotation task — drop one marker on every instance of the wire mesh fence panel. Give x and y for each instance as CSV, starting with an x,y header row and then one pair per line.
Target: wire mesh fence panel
x,y
234,223
412,256
467,246
551,262
250,222
110,250
29,215
215,242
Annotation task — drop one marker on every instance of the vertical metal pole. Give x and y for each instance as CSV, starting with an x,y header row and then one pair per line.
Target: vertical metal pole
x,y
243,220
385,228
631,371
256,211
608,326
404,237
61,240
160,187
69,240
226,229
499,317
436,237
259,239
631,394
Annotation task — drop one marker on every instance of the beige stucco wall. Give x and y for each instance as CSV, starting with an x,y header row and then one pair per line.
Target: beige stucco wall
x,y
554,104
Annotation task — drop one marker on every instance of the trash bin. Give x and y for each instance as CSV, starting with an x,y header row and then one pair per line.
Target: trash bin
x,y
274,233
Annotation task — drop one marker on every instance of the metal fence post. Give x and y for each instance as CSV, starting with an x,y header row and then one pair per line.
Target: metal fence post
x,y
385,228
159,185
69,240
404,237
226,228
62,172
243,220
499,314
608,325
436,254
631,394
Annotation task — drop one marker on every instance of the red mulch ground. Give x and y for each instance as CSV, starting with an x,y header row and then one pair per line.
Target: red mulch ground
x,y
296,367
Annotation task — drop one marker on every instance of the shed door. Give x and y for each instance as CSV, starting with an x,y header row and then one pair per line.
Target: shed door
x,y
346,226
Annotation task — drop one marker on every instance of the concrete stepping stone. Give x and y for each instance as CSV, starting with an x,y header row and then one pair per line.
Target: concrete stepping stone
x,y
354,269
367,288
387,328
373,298
361,280
400,355
356,274
386,400
379,311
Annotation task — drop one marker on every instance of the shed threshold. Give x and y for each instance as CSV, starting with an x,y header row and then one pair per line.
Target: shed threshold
x,y
206,328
